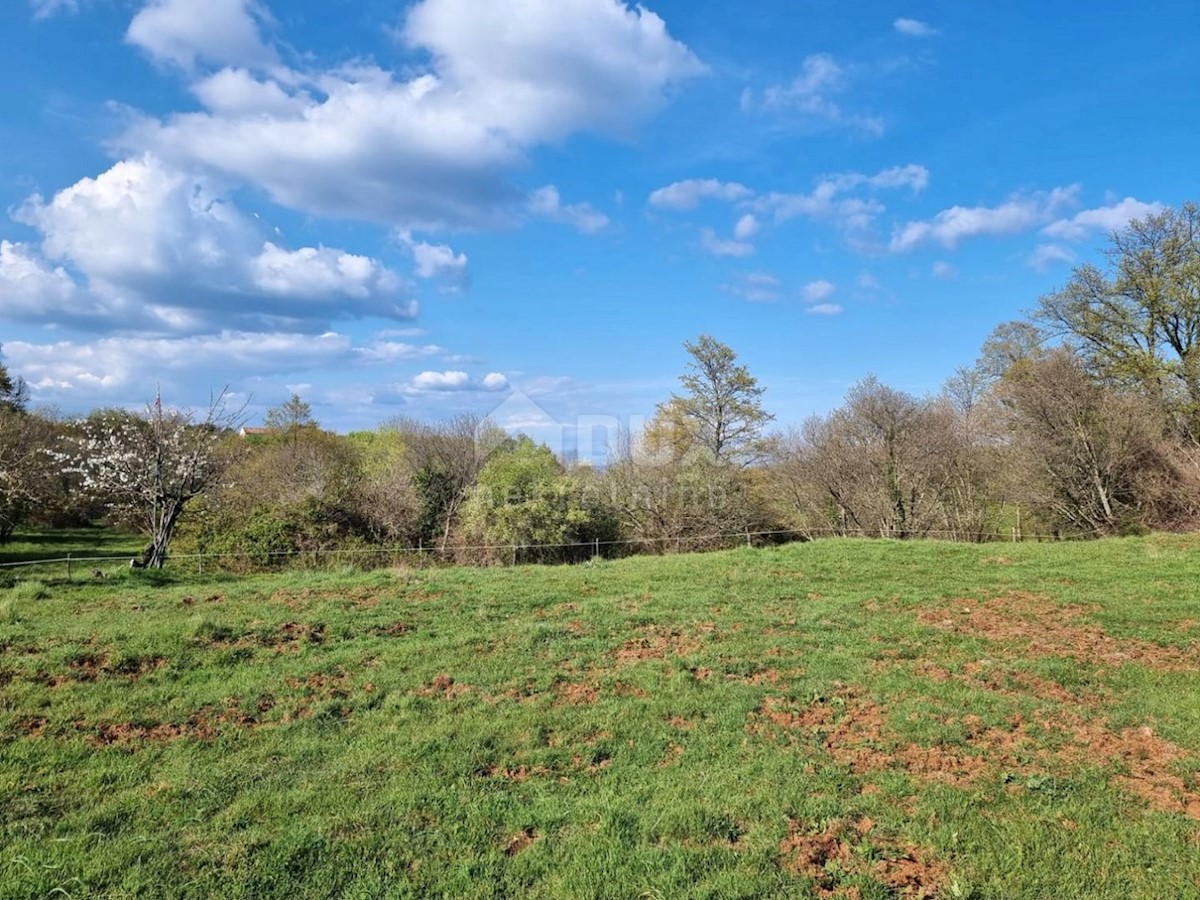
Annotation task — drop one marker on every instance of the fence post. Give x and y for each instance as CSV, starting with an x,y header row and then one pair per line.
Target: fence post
x,y
68,567
597,551
748,543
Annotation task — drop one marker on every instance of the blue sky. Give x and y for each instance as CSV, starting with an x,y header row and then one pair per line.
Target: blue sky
x,y
420,208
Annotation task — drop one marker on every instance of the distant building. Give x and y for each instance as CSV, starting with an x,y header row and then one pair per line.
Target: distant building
x,y
248,432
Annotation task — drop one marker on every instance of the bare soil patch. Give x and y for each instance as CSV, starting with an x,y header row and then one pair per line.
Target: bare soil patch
x,y
1047,628
520,842
661,642
205,725
443,685
91,667
854,732
854,848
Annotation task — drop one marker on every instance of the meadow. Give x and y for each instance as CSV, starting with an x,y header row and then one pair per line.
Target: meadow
x,y
843,718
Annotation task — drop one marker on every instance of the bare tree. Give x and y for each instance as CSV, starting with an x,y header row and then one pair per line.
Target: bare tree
x,y
1088,451
444,460
886,464
151,466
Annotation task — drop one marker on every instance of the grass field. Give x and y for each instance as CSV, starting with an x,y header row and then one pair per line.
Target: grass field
x,y
842,718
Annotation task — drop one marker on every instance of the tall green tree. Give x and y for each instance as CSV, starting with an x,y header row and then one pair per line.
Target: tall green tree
x,y
720,410
1137,324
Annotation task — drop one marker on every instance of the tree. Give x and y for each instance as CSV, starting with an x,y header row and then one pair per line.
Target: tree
x,y
1093,456
525,499
885,464
290,420
151,466
1138,324
14,392
721,410
445,460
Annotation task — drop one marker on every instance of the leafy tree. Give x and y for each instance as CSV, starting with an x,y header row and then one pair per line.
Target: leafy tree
x,y
1138,323
151,466
720,411
525,499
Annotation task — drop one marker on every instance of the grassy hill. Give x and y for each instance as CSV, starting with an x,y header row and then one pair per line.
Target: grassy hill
x,y
843,718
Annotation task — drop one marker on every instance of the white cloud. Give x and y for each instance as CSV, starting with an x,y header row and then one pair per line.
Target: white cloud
x,y
438,262
434,148
184,32
237,92
125,367
950,226
747,227
757,287
914,28
811,96
149,248
387,352
944,270
719,247
545,203
1047,255
44,9
31,287
818,290
824,309
439,382
827,201
687,195
1101,219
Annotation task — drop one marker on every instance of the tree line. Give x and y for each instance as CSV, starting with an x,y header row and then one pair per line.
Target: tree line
x,y
1080,420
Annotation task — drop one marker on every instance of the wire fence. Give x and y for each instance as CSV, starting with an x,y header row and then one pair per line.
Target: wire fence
x,y
85,562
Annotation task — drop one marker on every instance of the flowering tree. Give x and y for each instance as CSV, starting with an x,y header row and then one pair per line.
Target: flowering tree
x,y
150,466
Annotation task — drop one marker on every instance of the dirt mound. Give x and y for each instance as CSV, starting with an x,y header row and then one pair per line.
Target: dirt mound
x,y
204,725
659,642
849,850
853,730
1047,628
444,685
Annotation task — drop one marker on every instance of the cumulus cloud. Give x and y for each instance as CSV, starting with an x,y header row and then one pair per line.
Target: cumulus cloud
x,y
687,195
147,247
824,309
813,97
951,226
914,28
718,247
836,199
828,201
438,262
123,366
747,227
434,148
457,380
184,32
818,290
545,203
944,270
1102,219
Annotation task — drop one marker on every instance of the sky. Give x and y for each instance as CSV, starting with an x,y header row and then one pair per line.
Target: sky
x,y
526,207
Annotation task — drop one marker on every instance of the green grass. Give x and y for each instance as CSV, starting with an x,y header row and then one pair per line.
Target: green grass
x,y
497,733
54,544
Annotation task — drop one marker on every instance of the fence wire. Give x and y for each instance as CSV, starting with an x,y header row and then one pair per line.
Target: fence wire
x,y
85,558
